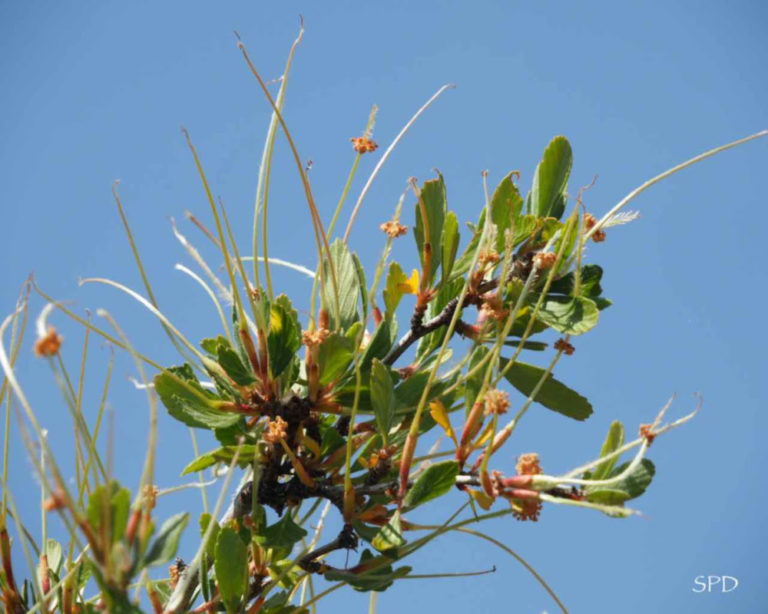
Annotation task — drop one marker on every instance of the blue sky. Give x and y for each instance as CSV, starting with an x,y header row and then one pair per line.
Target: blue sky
x,y
97,91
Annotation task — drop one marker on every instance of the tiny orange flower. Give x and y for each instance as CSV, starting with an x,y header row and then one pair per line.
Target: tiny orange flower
x,y
567,348
362,144
393,229
496,402
311,338
275,432
49,344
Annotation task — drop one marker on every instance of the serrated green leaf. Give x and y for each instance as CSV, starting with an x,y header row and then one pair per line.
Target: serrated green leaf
x,y
164,546
550,181
392,290
235,368
361,284
334,357
434,200
344,312
284,338
382,397
434,481
553,394
211,345
570,315
230,565
506,206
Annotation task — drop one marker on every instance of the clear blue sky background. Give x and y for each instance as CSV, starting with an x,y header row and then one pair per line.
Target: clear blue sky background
x,y
94,91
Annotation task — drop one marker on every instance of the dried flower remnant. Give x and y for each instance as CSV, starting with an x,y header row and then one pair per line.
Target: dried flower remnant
x,y
493,308
563,346
496,402
488,257
363,144
175,571
393,229
545,260
528,507
646,432
48,344
275,432
56,501
589,223
150,495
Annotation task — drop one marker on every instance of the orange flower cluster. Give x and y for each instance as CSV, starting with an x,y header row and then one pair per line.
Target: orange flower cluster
x,y
496,402
362,144
528,464
527,509
275,432
393,229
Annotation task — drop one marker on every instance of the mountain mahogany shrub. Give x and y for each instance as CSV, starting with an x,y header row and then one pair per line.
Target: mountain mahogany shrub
x,y
331,414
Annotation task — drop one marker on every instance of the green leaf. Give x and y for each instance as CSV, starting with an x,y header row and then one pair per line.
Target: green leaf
x,y
390,535
225,454
53,552
475,381
568,315
383,339
108,507
553,394
334,357
550,181
434,481
211,345
392,291
283,534
628,488
343,313
382,397
186,400
591,275
447,292
284,338
433,197
506,205
613,441
164,547
231,566
231,363
378,579
210,546
361,284
449,244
